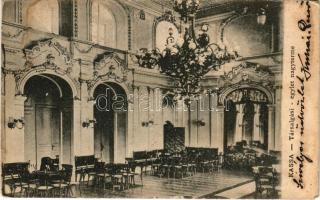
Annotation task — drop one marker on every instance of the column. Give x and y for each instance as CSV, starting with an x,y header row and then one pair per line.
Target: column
x,y
136,119
187,124
239,125
115,137
12,139
271,127
87,133
256,123
77,125
217,128
130,126
277,124
178,109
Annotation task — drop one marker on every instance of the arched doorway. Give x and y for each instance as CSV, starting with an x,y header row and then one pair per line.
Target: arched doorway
x,y
246,118
48,119
110,131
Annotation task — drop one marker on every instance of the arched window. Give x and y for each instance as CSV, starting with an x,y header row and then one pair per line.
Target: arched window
x,y
8,11
103,25
43,15
162,33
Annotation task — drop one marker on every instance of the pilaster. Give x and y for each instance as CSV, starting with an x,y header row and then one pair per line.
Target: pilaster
x,y
217,128
271,127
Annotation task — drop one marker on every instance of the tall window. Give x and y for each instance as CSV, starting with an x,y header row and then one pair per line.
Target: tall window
x,y
8,11
162,33
43,15
103,25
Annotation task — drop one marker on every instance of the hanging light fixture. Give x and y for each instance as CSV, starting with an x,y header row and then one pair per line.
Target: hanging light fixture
x,y
189,57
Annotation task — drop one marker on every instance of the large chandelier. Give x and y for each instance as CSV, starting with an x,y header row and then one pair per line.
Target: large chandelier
x,y
187,58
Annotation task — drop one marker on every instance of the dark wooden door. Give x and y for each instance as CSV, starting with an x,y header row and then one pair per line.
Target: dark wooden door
x,y
174,138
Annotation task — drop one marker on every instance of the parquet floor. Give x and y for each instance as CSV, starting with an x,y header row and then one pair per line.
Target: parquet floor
x,y
197,186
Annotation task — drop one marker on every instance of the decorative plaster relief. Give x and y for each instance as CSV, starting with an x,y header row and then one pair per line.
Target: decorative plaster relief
x,y
247,75
13,58
13,32
37,53
46,56
247,72
109,67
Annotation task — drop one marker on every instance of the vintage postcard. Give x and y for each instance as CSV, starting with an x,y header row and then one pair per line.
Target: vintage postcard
x,y
160,99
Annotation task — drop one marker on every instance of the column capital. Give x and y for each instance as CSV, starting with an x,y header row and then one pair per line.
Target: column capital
x,y
220,109
20,98
271,107
91,102
76,100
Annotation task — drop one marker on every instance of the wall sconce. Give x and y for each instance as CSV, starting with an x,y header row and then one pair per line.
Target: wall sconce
x,y
200,122
147,123
142,15
89,123
261,16
19,123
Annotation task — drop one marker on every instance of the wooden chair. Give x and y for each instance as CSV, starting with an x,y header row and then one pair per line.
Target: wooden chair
x,y
45,189
264,181
12,176
103,174
29,189
116,177
62,187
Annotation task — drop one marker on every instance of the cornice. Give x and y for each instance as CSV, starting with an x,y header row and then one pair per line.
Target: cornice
x,y
214,18
156,10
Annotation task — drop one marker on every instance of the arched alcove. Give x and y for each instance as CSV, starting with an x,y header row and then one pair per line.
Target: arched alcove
x,y
105,16
43,15
246,118
48,113
110,131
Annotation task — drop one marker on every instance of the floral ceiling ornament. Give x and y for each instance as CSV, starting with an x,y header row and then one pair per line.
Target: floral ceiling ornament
x,y
189,57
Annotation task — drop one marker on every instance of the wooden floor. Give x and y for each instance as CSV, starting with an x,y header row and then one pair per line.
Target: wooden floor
x,y
200,185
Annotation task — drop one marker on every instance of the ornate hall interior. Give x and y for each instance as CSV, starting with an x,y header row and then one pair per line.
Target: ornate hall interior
x,y
141,98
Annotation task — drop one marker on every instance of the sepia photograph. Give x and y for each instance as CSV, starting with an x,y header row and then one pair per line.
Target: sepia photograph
x,y
143,99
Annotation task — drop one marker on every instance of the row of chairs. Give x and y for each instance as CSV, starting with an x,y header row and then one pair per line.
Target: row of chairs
x,y
267,182
181,165
118,176
38,183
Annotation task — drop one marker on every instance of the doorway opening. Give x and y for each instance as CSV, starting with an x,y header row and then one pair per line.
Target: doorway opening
x,y
110,113
246,119
48,119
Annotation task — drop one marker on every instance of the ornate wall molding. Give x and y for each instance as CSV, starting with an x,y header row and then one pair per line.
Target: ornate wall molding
x,y
247,75
227,21
109,67
75,18
13,32
89,19
22,76
168,17
40,48
247,72
46,57
12,35
85,50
